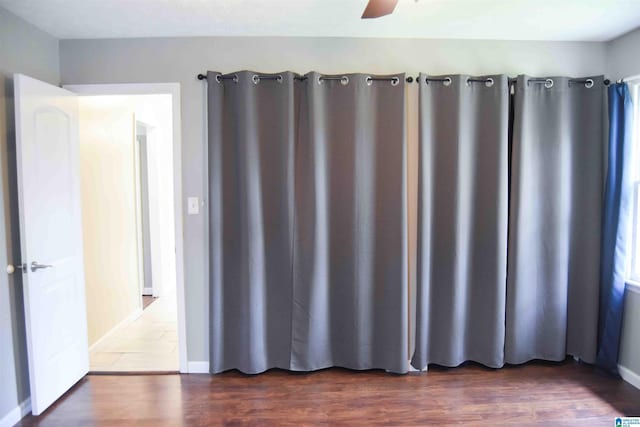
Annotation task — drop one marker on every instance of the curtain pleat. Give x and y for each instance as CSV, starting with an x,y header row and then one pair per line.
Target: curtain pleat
x,y
462,221
555,220
252,128
350,263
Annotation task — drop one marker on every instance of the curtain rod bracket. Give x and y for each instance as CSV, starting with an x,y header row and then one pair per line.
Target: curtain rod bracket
x,y
202,77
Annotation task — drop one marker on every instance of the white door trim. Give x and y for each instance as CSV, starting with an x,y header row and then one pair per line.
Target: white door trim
x,y
172,89
136,153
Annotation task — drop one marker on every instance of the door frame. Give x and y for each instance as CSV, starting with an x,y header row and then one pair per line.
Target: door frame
x,y
142,251
172,89
139,231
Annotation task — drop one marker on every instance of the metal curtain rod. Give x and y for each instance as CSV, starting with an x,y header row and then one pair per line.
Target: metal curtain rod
x,y
447,80
256,77
345,79
410,79
547,81
383,79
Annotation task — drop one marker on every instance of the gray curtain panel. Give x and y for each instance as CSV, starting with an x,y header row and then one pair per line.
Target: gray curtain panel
x,y
252,129
462,220
350,262
555,220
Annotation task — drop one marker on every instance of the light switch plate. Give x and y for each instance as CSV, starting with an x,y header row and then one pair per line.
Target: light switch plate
x,y
193,206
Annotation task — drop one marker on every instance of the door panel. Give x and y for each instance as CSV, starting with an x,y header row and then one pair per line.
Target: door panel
x,y
50,235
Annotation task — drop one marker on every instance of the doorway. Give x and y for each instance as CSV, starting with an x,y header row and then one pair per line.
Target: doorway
x,y
51,224
129,163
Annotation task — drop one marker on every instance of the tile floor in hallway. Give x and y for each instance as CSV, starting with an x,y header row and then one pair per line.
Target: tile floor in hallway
x,y
149,343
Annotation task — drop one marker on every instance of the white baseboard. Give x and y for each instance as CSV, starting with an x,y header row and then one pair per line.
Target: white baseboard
x,y
16,414
130,318
198,367
629,376
147,291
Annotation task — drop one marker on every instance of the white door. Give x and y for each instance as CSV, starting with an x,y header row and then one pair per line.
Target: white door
x,y
50,238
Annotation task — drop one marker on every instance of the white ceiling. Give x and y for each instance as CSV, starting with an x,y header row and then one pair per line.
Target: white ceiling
x,y
589,20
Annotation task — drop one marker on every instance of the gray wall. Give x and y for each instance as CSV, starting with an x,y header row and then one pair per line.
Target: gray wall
x,y
24,49
180,59
623,55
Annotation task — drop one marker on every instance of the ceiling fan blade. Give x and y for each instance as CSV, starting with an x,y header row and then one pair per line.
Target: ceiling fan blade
x,y
378,8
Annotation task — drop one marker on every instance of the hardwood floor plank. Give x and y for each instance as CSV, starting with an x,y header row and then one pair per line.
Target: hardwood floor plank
x,y
538,393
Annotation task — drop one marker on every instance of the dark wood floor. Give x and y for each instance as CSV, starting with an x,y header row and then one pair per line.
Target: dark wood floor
x,y
537,393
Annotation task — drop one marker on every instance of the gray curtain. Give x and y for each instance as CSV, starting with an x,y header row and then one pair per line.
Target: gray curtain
x,y
462,220
350,266
252,128
555,220
307,195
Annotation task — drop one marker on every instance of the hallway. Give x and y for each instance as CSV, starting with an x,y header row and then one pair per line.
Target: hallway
x,y
148,344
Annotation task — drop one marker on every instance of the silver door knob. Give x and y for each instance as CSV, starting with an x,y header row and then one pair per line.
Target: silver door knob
x,y
35,266
12,268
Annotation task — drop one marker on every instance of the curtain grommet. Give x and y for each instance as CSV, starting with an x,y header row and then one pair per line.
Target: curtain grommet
x,y
344,80
369,80
395,81
548,83
218,79
255,79
279,78
589,83
447,81
489,82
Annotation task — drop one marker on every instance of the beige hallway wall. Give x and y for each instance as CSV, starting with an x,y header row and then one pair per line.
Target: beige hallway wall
x,y
109,222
